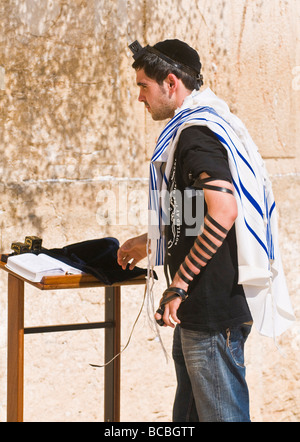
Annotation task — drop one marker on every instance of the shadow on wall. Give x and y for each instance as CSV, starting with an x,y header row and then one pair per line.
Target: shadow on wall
x,y
66,108
203,26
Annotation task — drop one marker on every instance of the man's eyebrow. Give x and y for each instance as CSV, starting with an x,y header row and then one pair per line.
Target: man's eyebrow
x,y
140,83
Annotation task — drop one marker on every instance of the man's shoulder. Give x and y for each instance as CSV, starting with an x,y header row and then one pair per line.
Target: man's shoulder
x,y
199,137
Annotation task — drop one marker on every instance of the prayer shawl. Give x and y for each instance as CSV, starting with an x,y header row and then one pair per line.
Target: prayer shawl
x,y
259,262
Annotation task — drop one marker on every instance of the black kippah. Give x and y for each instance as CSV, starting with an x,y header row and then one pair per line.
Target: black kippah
x,y
175,52
181,52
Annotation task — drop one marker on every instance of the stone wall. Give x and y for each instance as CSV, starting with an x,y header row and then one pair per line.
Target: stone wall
x,y
75,145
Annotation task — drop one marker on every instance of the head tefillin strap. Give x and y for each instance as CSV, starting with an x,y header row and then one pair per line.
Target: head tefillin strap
x,y
138,51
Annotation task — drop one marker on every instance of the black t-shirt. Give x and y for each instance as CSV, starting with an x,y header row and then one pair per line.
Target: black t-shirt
x,y
216,300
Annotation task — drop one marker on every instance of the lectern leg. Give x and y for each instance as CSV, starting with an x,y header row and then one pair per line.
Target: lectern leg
x,y
15,349
112,348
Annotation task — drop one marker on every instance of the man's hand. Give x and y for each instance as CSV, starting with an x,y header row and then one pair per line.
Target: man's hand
x,y
133,251
170,314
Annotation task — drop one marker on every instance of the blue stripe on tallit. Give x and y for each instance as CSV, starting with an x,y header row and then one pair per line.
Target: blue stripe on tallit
x,y
169,134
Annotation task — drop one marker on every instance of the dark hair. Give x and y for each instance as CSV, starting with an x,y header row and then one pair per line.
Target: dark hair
x,y
158,70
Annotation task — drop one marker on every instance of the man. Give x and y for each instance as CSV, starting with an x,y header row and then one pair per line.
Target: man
x,y
199,149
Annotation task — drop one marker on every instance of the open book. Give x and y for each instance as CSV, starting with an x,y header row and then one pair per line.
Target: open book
x,y
35,267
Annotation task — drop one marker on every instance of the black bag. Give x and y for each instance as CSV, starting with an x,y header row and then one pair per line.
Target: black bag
x,y
97,257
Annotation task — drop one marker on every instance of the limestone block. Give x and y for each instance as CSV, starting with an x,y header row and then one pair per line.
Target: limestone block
x,y
248,52
75,146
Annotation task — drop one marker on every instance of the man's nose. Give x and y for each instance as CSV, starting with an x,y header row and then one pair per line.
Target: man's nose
x,y
141,97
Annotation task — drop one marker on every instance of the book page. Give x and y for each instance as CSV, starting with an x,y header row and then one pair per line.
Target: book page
x,y
34,267
55,262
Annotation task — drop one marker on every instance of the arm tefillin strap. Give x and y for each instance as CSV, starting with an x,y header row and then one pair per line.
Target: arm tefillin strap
x,y
199,244
199,248
202,184
176,292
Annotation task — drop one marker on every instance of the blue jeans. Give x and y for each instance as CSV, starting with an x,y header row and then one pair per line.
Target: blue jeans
x,y
211,385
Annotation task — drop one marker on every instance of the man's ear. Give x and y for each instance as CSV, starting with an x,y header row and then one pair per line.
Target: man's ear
x,y
172,82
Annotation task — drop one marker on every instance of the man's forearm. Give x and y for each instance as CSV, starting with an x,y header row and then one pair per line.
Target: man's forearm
x,y
204,248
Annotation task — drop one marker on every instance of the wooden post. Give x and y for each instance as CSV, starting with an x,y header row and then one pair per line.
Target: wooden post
x,y
112,348
15,349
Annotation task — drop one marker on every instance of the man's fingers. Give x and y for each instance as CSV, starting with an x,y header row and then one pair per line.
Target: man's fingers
x,y
121,255
174,317
167,319
132,264
123,258
170,314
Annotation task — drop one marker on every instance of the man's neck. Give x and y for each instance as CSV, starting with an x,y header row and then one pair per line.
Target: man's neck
x,y
182,94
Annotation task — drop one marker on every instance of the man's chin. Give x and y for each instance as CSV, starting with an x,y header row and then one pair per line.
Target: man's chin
x,y
158,117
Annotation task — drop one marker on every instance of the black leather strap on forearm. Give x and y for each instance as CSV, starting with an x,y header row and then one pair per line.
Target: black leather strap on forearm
x,y
201,247
175,293
217,225
200,240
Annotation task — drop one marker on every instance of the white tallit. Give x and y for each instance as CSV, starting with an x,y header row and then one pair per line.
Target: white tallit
x,y
259,261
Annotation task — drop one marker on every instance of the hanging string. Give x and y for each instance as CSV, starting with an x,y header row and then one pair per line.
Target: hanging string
x,y
130,336
149,295
151,303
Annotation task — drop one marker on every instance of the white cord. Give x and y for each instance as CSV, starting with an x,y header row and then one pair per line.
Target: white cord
x,y
131,333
